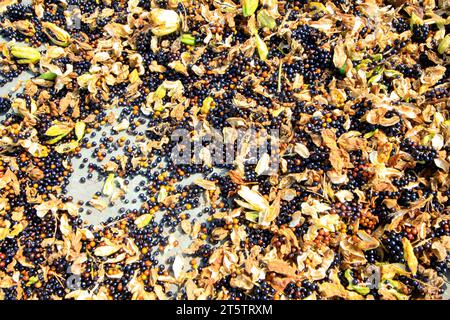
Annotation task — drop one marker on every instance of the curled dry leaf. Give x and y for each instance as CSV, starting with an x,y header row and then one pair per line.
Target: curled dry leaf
x,y
409,255
242,281
64,225
205,184
177,266
108,186
301,150
439,250
281,267
263,164
164,21
98,204
344,196
367,242
105,251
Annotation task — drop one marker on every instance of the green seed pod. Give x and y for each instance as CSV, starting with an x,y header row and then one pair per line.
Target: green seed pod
x,y
444,44
188,39
25,27
249,7
50,76
26,54
363,290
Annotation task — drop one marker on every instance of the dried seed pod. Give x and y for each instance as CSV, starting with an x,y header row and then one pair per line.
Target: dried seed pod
x,y
25,27
164,22
36,174
56,34
66,147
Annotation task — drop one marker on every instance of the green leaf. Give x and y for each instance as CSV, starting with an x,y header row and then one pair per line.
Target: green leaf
x,y
160,92
363,290
188,39
370,134
375,78
316,7
249,7
392,73
56,139
348,275
58,129
415,20
342,69
395,289
363,64
32,280
426,139
377,57
252,216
